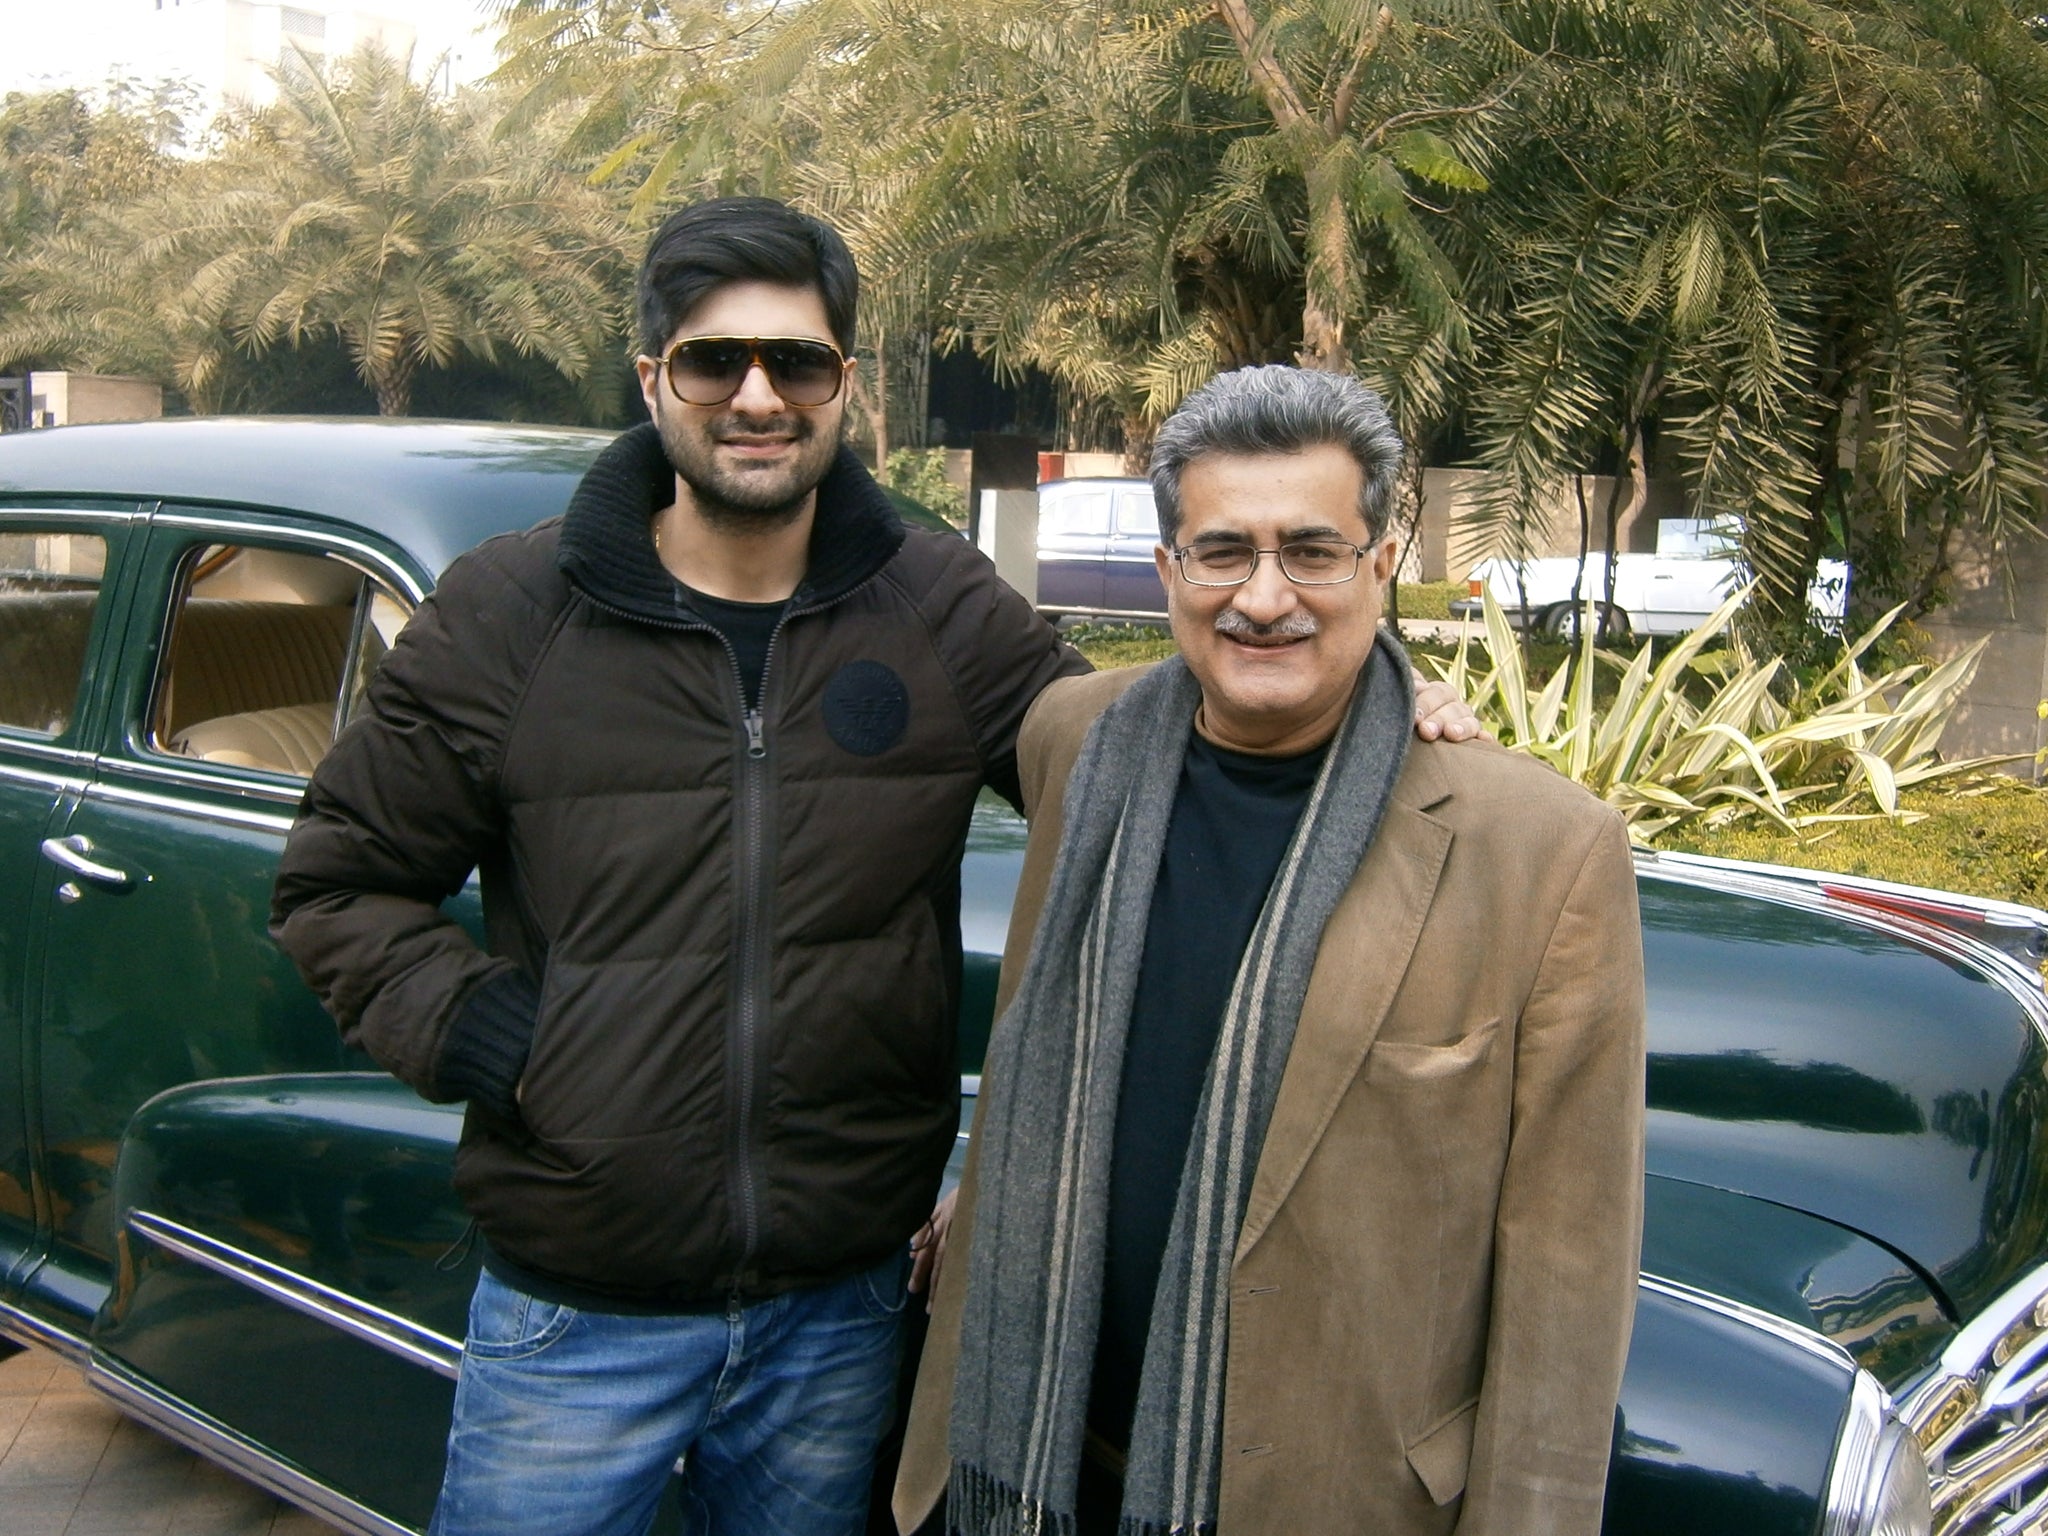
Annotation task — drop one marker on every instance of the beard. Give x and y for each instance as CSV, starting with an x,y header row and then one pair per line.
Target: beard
x,y
742,497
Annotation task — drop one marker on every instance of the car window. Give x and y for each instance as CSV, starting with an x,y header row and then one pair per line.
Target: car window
x,y
1137,517
1082,514
49,587
269,652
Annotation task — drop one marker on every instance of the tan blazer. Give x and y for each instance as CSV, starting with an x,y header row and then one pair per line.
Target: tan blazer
x,y
1434,1285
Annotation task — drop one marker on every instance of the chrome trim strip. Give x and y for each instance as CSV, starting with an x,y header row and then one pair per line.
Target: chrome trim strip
x,y
232,815
1977,1345
1816,1344
18,512
1148,616
2015,912
27,1328
82,762
239,1454
378,562
359,1319
1851,1478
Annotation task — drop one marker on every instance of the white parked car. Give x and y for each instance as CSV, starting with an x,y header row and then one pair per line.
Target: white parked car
x,y
1668,593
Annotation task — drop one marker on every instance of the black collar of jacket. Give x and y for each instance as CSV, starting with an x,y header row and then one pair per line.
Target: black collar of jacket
x,y
608,550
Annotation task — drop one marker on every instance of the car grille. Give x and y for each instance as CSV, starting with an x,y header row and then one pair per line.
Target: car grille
x,y
1982,1420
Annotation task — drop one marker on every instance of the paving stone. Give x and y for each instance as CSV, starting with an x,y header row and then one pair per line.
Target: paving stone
x,y
36,1511
73,1465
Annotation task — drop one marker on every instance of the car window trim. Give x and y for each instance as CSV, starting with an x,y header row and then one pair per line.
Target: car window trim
x,y
137,757
124,530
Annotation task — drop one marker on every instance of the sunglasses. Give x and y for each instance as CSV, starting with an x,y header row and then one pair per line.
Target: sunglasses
x,y
709,370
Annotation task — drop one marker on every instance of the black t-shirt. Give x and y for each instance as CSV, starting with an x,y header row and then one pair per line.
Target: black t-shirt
x,y
747,627
1233,816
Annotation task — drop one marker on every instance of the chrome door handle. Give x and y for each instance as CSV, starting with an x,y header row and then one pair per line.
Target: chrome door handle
x,y
70,854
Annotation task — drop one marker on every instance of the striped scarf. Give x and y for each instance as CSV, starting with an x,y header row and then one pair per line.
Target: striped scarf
x,y
1047,1121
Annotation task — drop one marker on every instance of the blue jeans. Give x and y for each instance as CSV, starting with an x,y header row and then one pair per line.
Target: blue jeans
x,y
567,1423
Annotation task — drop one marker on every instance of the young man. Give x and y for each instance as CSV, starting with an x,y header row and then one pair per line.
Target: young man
x,y
712,739
1306,1184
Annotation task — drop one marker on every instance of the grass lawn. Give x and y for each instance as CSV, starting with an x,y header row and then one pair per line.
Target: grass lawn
x,y
1428,599
1992,845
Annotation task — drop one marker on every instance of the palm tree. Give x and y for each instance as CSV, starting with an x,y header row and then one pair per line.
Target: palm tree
x,y
360,209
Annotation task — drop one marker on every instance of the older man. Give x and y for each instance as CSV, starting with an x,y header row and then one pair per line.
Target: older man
x,y
1306,1189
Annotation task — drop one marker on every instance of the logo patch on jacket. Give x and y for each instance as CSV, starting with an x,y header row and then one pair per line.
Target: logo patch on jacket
x,y
867,708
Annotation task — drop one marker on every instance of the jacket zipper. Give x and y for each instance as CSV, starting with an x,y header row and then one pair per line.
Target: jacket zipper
x,y
743,1028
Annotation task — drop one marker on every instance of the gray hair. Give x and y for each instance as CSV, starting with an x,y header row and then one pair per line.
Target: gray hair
x,y
1277,409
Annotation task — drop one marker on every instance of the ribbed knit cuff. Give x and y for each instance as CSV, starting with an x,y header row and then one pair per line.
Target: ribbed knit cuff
x,y
488,1041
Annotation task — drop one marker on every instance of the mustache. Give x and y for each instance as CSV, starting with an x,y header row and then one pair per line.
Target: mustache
x,y
1298,625
734,425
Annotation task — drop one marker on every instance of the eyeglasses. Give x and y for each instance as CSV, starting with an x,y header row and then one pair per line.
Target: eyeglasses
x,y
709,370
1305,562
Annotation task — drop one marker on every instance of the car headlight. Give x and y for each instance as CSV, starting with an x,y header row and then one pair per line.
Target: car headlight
x,y
1879,1483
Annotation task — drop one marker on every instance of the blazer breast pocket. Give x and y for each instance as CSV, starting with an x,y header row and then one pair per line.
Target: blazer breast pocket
x,y
1394,1062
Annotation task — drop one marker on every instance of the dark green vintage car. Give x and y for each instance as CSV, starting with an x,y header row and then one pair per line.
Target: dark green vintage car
x,y
246,1237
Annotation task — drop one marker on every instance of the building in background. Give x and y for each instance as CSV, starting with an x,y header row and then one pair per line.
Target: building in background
x,y
233,51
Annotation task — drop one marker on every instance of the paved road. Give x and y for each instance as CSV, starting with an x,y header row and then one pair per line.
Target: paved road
x,y
70,1465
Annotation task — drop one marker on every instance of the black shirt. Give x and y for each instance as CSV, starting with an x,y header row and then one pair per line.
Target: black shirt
x,y
1233,816
747,627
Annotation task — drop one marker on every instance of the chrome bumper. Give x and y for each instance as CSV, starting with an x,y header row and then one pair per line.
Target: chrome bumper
x,y
1982,1420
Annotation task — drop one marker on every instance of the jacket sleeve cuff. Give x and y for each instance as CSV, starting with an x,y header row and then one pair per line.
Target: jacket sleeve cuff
x,y
487,1043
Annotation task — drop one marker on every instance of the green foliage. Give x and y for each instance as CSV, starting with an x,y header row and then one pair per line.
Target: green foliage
x,y
359,210
1429,599
1992,842
920,474
1109,645
1687,739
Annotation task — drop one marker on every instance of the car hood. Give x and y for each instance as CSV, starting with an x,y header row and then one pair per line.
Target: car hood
x,y
1832,1063
1819,1059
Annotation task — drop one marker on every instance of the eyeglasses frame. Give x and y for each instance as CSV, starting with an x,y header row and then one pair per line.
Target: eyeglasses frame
x,y
1359,551
666,363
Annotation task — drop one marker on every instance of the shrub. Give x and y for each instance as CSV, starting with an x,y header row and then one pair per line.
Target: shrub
x,y
1719,740
920,474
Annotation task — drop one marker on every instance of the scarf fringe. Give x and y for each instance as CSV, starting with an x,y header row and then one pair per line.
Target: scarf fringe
x,y
981,1504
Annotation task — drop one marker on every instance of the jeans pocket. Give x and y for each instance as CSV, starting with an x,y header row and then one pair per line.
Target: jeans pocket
x,y
507,1324
885,1289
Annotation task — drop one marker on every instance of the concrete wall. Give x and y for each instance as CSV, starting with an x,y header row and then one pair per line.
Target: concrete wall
x,y
72,399
1999,713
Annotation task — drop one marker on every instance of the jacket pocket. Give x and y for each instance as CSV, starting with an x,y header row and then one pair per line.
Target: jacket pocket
x,y
1442,1456
1403,1061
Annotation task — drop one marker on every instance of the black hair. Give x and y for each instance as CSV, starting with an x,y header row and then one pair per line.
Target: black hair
x,y
738,240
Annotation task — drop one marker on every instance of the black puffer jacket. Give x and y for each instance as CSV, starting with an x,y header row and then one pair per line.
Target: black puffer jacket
x,y
723,949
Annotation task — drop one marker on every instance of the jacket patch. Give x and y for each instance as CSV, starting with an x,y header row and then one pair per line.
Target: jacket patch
x,y
867,708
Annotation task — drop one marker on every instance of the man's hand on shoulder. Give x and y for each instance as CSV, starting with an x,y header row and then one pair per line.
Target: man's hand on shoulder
x,y
1440,715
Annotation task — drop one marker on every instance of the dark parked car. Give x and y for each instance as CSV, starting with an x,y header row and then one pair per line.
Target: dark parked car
x,y
246,1237
1095,542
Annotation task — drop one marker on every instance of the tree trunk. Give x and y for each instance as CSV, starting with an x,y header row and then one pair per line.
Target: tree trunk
x,y
878,415
1137,444
391,382
1322,339
1630,464
1576,629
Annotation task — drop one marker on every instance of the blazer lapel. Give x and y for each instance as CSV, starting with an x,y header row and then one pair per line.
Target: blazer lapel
x,y
1353,984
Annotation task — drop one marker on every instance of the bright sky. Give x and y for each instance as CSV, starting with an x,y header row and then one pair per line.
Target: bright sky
x,y
49,43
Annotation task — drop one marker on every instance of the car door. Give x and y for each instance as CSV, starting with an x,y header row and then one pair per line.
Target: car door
x,y
59,605
196,1101
1073,531
1130,575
